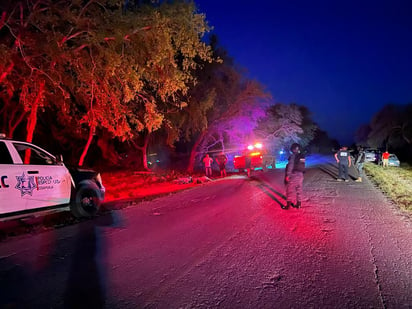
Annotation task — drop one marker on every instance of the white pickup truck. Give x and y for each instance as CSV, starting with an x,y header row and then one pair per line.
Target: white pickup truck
x,y
33,180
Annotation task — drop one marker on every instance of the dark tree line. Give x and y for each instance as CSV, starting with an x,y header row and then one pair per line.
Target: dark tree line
x,y
389,129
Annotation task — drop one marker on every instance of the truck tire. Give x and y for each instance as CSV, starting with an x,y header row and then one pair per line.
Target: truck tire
x,y
86,202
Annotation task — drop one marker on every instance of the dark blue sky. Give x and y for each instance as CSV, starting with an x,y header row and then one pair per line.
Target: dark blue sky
x,y
344,60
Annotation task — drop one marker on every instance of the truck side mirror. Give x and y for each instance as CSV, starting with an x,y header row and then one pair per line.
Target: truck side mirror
x,y
59,159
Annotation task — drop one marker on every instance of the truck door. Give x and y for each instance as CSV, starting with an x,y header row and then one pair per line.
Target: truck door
x,y
10,199
43,180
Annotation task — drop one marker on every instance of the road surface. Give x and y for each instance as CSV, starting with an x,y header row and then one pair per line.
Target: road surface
x,y
224,244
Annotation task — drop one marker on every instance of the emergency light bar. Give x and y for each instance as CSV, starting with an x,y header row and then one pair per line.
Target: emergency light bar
x,y
257,145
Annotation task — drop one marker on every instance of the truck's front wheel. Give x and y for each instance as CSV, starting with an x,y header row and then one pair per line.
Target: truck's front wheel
x,y
86,202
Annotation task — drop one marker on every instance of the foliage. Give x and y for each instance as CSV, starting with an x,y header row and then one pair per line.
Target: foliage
x,y
391,126
240,103
281,126
391,129
361,134
322,143
102,66
309,127
235,115
28,82
223,107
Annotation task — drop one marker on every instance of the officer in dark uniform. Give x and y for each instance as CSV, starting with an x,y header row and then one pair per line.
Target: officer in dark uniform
x,y
294,177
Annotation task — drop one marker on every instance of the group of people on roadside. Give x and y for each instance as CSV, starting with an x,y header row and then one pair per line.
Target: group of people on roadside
x,y
221,160
344,161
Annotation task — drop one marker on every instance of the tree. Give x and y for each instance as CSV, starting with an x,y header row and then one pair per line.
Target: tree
x,y
28,81
392,125
282,125
361,134
309,127
322,143
232,119
104,67
223,107
170,79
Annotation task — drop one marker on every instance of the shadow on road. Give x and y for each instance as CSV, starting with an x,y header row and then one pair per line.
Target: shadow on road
x,y
332,170
265,188
15,282
270,191
26,272
87,281
85,285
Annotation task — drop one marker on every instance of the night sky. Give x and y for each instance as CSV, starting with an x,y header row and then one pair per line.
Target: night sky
x,y
344,60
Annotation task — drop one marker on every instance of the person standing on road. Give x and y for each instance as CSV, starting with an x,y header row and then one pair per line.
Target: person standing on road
x,y
385,159
207,161
360,160
344,162
248,165
221,160
294,177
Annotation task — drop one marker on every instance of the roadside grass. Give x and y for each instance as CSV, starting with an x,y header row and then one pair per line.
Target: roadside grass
x,y
395,182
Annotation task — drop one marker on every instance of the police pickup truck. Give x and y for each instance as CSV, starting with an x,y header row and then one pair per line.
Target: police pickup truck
x,y
34,181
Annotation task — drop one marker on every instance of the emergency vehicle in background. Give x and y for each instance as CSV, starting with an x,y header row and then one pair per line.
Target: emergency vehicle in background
x,y
254,157
33,180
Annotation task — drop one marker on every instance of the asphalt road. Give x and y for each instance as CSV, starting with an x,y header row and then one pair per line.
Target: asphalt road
x,y
224,244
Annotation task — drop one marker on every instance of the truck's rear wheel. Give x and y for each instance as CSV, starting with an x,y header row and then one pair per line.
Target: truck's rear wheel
x,y
86,202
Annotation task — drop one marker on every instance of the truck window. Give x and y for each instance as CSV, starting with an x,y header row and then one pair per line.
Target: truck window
x,y
5,157
32,155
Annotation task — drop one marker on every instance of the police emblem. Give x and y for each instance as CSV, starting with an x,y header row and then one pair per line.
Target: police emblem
x,y
25,184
